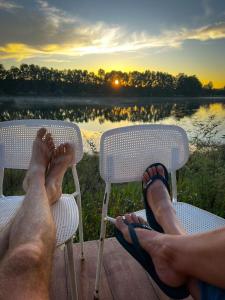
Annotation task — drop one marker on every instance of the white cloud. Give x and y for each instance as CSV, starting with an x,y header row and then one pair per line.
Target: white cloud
x,y
8,5
56,34
210,32
55,15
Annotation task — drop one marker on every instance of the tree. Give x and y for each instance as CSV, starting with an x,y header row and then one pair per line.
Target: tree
x,y
2,72
101,75
208,86
14,73
188,85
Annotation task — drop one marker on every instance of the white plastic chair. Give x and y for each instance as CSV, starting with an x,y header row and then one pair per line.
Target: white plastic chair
x,y
126,152
16,139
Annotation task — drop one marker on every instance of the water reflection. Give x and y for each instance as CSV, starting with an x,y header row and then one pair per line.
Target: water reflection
x,y
84,113
95,119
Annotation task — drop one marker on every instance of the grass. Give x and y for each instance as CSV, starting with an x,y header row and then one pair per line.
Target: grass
x,y
201,182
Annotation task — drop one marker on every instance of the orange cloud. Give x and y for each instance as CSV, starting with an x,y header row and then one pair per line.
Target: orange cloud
x,y
102,39
18,51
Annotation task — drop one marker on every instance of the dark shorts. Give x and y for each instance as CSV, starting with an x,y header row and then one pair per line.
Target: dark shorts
x,y
211,292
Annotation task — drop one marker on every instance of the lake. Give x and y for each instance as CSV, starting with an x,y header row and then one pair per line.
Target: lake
x,y
96,115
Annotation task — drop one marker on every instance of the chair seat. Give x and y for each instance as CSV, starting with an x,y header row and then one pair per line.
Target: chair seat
x,y
194,219
65,214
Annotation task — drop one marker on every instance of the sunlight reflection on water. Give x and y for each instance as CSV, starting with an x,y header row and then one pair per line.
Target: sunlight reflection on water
x,y
92,130
95,117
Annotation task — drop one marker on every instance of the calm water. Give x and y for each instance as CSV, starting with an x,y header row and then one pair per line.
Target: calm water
x,y
96,115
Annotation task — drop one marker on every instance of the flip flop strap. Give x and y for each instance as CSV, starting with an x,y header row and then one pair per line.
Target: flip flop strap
x,y
154,178
166,174
133,235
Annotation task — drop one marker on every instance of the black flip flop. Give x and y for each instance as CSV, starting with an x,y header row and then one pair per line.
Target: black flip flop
x,y
145,260
149,213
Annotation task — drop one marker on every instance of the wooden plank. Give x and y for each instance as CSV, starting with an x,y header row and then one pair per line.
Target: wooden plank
x,y
86,271
127,279
58,289
122,277
158,291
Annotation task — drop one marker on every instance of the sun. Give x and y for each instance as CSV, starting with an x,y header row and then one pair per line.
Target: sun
x,y
116,82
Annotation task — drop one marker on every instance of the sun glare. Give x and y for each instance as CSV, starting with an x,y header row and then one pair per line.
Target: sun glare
x,y
116,82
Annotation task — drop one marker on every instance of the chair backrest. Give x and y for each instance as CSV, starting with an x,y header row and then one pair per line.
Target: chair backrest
x,y
16,139
126,152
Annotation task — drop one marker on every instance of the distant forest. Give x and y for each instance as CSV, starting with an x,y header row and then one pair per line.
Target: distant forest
x,y
32,80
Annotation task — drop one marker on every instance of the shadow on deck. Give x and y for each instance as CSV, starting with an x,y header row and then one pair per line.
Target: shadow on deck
x,y
122,277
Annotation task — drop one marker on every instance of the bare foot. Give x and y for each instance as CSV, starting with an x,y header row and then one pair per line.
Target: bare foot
x,y
159,248
42,150
157,195
160,202
61,160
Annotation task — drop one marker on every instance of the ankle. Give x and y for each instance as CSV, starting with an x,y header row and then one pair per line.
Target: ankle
x,y
164,211
54,191
162,245
167,249
175,252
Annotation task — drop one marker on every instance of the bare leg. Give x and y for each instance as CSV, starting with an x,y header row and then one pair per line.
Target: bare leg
x,y
180,256
61,159
25,269
160,203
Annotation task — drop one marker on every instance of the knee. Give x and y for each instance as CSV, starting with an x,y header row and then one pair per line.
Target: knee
x,y
26,256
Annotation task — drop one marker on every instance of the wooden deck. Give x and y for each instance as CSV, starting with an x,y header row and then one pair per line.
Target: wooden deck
x,y
122,277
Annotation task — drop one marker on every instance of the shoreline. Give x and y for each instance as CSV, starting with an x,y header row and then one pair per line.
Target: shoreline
x,y
111,100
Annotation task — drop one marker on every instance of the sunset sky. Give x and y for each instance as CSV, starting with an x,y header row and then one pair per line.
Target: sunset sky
x,y
173,36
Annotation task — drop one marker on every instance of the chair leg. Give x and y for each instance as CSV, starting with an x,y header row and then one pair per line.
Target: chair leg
x,y
81,236
102,238
73,292
77,185
99,262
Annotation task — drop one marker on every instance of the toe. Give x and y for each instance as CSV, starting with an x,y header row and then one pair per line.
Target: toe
x,y
123,228
57,151
68,148
64,148
128,218
41,132
154,171
150,172
48,137
134,218
142,221
146,177
120,224
51,146
51,143
160,170
61,149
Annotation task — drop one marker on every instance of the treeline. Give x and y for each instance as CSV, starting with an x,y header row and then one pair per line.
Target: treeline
x,y
35,80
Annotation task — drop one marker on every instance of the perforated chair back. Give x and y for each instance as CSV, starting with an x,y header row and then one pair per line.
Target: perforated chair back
x,y
126,152
16,139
